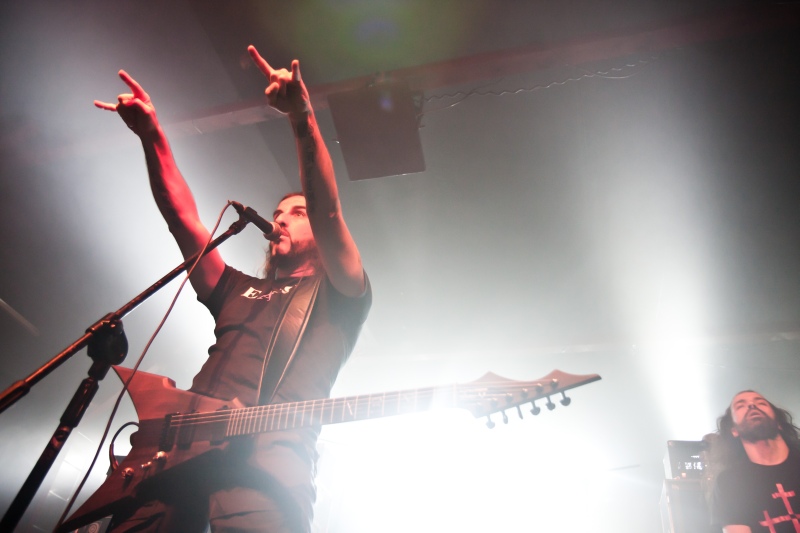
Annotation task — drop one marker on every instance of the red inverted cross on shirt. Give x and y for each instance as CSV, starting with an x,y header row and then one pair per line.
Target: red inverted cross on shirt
x,y
790,515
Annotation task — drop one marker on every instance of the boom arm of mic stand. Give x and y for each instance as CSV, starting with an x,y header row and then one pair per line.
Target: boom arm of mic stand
x,y
109,324
22,387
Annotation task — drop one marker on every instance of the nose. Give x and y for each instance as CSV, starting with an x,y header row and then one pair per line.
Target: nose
x,y
281,220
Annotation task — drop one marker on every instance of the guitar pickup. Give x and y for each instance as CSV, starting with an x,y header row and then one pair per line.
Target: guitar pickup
x,y
168,433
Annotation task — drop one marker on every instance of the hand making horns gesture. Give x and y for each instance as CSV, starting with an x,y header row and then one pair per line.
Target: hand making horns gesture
x,y
286,91
135,108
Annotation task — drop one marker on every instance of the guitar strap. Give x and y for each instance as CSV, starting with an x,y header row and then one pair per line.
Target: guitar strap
x,y
286,336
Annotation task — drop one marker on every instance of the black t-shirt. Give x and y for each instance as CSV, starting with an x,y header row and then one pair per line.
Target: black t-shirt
x,y
246,309
765,498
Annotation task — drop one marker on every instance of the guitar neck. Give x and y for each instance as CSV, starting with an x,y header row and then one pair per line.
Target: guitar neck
x,y
276,417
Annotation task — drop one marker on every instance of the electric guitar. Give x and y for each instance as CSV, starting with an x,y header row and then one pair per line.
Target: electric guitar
x,y
178,426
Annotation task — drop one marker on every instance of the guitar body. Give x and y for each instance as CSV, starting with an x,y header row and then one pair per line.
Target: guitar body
x,y
154,398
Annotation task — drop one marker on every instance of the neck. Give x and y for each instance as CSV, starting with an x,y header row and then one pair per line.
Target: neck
x,y
767,452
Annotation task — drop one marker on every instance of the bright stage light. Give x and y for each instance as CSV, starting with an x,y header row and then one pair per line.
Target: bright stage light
x,y
445,471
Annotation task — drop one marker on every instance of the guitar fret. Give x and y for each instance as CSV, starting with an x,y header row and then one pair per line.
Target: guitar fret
x,y
232,424
240,422
258,418
285,423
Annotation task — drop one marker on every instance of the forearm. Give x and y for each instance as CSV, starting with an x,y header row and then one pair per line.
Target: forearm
x,y
171,192
316,169
176,203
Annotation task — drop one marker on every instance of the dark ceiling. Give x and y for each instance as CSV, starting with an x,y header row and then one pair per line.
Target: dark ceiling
x,y
610,187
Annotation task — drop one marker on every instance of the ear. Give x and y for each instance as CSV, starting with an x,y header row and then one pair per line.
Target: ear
x,y
735,432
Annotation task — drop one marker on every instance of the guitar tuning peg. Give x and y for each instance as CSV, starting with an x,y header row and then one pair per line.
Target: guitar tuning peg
x,y
536,409
565,401
489,422
505,417
550,405
519,411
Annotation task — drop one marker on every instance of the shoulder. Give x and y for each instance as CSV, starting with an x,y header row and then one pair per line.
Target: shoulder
x,y
365,296
231,281
348,308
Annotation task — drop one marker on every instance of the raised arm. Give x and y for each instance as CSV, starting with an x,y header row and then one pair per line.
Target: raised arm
x,y
171,193
287,93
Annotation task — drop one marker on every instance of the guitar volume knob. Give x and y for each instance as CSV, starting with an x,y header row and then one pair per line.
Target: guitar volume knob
x,y
160,457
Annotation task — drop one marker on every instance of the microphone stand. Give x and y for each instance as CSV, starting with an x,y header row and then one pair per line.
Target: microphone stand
x,y
107,346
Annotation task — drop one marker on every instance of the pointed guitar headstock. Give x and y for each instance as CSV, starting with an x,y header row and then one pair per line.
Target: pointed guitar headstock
x,y
492,393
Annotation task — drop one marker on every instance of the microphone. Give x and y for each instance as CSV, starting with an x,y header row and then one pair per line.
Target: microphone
x,y
272,231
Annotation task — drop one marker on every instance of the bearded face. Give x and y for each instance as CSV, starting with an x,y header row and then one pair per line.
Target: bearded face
x,y
296,247
297,254
753,417
757,427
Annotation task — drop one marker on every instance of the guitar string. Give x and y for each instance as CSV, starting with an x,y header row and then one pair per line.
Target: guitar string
x,y
469,388
353,405
283,409
306,406
276,417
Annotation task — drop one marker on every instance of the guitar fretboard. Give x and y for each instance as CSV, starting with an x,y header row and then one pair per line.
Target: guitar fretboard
x,y
264,418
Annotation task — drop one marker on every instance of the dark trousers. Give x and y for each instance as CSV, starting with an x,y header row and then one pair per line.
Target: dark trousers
x,y
230,494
